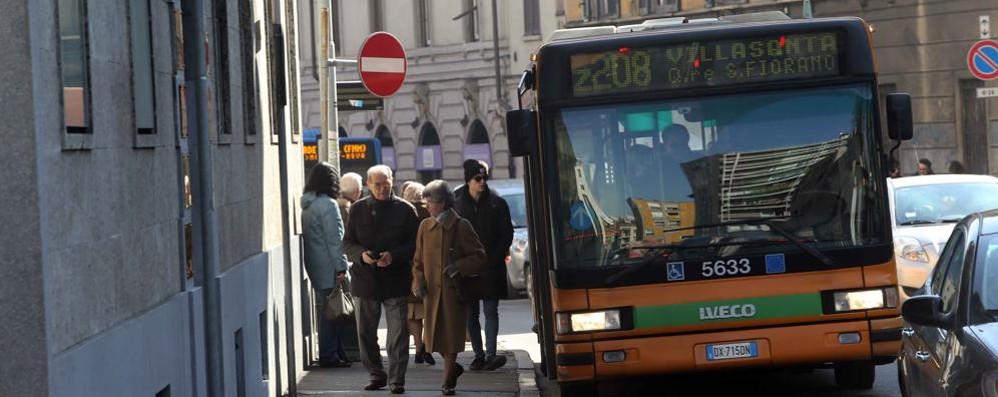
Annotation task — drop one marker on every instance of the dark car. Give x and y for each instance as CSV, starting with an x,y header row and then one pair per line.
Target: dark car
x,y
950,337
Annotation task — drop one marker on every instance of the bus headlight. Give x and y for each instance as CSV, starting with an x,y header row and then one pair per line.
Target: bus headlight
x,y
604,320
910,249
846,301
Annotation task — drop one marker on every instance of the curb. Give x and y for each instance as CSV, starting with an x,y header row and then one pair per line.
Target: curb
x,y
525,374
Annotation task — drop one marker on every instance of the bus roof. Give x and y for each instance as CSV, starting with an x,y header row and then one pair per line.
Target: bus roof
x,y
665,23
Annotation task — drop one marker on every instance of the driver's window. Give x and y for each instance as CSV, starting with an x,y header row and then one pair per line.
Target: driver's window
x,y
954,248
947,281
951,284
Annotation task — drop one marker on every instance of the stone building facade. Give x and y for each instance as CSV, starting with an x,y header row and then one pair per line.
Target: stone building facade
x,y
149,249
921,47
448,109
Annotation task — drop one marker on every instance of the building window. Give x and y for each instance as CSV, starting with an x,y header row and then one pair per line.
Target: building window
x,y
248,48
384,136
377,16
423,38
75,66
143,80
599,9
429,157
477,146
470,17
531,18
221,14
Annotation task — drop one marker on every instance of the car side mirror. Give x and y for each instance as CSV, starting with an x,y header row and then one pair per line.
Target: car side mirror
x,y
899,119
925,310
521,130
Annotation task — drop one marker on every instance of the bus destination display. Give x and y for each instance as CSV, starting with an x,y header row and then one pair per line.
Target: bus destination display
x,y
356,151
706,63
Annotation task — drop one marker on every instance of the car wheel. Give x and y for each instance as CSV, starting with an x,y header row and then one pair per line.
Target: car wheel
x,y
855,375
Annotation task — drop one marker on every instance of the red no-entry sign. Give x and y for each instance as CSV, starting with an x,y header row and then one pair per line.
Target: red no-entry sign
x,y
382,64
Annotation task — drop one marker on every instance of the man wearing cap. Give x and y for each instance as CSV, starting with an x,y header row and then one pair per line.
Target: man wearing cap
x,y
489,215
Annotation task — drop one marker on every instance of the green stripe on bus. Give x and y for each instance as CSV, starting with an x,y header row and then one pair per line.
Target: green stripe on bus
x,y
760,308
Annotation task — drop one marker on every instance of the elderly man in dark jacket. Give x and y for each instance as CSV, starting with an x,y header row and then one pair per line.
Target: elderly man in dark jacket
x,y
380,240
489,215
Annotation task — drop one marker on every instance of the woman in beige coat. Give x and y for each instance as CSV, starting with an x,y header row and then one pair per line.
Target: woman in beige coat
x,y
446,247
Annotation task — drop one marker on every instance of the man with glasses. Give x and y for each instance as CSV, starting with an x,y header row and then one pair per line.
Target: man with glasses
x,y
489,215
380,240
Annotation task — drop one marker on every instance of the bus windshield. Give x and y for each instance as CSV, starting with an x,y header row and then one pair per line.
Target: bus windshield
x,y
696,172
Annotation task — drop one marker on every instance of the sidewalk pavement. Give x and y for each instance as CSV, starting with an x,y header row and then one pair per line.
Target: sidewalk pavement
x,y
516,378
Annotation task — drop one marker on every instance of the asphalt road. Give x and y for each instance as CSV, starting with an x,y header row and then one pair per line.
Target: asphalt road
x,y
516,318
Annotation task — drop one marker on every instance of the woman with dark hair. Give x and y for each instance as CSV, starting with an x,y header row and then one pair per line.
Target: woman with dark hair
x,y
325,262
447,248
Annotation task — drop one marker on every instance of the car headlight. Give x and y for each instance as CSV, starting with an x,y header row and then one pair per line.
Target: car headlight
x,y
880,298
910,249
604,320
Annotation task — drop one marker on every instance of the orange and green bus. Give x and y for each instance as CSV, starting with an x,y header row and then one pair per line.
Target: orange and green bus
x,y
710,194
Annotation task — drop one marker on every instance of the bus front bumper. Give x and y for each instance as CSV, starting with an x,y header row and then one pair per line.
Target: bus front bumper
x,y
804,345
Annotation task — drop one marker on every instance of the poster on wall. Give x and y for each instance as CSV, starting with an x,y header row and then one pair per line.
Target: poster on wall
x,y
429,158
479,151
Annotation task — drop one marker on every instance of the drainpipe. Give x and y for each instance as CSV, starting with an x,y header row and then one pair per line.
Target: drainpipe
x,y
495,49
280,102
205,220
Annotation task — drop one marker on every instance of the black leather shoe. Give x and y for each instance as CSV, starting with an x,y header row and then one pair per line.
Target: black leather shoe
x,y
376,385
428,358
477,364
398,389
495,362
419,357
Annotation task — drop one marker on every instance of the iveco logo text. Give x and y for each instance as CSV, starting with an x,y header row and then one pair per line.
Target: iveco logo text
x,y
722,312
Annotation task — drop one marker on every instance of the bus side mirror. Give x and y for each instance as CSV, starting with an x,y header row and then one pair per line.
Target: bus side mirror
x,y
899,123
521,130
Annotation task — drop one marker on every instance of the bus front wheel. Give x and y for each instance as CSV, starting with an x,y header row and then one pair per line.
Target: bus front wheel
x,y
855,375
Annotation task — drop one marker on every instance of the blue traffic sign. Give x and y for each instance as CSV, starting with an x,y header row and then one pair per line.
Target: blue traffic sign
x,y
983,59
579,217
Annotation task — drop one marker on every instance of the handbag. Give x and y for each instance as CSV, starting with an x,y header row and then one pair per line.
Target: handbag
x,y
339,305
469,288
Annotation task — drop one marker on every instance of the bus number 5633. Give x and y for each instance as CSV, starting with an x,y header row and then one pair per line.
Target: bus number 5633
x,y
729,267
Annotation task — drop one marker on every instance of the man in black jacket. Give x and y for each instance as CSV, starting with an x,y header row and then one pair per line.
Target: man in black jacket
x,y
380,240
489,214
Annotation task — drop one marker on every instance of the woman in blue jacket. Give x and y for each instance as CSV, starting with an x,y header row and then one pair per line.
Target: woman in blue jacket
x,y
325,262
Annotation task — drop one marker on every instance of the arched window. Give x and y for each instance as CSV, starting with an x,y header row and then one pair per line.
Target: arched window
x,y
477,145
343,133
429,157
387,146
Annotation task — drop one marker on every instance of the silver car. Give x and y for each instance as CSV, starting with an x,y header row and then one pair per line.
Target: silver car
x,y
924,210
518,260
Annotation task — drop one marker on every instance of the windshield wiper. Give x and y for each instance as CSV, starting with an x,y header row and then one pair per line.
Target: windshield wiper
x,y
920,222
767,221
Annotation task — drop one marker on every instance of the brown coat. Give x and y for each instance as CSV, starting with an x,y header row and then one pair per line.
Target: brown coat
x,y
445,321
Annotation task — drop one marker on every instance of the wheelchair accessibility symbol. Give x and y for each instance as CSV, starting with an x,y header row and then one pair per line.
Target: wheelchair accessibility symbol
x,y
676,271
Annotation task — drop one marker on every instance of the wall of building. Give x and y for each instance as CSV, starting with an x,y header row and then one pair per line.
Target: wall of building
x,y
450,83
104,302
21,263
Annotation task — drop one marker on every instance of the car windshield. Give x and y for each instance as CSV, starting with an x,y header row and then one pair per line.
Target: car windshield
x,y
943,202
517,209
630,175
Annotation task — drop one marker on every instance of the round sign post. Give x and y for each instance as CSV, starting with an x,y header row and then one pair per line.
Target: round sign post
x,y
382,64
982,59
